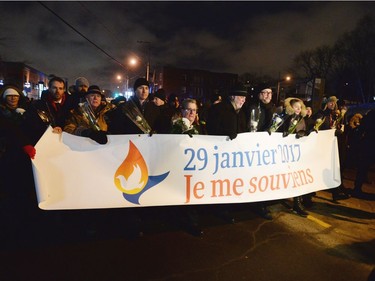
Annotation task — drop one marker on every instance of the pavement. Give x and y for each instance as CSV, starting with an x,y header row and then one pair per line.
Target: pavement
x,y
335,242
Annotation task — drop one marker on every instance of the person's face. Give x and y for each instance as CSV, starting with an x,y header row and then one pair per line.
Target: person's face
x,y
190,112
239,101
158,102
331,105
308,111
57,90
94,100
297,106
142,93
265,96
175,102
12,101
82,88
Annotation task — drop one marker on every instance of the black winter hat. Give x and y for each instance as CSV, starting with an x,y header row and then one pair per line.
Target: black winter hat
x,y
140,82
161,95
260,87
94,89
238,90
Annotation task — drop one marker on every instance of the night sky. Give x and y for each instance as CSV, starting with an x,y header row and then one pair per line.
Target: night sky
x,y
234,37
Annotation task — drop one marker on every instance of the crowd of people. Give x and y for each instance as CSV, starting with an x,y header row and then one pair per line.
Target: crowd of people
x,y
83,110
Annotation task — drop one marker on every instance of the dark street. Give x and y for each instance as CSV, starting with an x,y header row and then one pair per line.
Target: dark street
x,y
335,242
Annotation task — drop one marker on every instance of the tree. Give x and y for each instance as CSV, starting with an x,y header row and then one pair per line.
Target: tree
x,y
350,61
315,63
356,55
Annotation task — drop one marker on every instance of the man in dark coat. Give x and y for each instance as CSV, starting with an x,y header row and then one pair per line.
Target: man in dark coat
x,y
137,115
123,120
259,115
228,118
160,100
332,118
263,109
80,89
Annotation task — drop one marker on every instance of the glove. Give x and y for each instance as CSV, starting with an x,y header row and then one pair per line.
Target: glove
x,y
300,134
338,132
285,134
29,150
232,136
98,136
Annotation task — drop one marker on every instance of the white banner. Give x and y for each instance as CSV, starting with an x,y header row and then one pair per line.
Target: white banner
x,y
138,170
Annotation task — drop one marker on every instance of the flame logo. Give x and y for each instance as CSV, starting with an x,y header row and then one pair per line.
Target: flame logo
x,y
132,178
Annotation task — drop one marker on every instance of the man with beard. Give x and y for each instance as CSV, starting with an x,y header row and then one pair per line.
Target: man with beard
x,y
259,115
81,87
52,110
263,108
228,118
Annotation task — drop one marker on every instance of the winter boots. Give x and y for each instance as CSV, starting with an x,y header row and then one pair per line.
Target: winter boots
x,y
297,207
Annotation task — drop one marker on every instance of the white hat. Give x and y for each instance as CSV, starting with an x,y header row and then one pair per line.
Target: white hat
x,y
10,92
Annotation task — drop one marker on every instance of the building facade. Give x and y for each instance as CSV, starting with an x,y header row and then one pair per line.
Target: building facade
x,y
192,83
31,81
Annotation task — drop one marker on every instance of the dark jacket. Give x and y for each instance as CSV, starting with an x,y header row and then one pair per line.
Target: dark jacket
x,y
119,123
164,125
223,120
42,113
264,111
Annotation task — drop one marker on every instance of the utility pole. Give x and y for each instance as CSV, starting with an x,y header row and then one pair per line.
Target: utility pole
x,y
148,58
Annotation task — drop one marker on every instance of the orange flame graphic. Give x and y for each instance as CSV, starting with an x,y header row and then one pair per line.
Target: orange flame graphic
x,y
132,175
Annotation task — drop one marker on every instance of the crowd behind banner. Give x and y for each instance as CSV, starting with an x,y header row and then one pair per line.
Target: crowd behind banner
x,y
82,110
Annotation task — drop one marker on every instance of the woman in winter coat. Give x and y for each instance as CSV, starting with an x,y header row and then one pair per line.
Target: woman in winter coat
x,y
294,123
17,192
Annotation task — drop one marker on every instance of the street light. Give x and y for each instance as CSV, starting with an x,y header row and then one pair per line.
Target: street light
x,y
131,62
287,78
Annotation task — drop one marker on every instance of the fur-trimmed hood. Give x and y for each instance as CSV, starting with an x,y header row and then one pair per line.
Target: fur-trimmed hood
x,y
355,120
289,109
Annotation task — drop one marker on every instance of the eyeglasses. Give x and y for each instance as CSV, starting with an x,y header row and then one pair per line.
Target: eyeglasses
x,y
190,109
267,93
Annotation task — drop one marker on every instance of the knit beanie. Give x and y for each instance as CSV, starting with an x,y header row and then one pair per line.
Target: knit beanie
x,y
82,81
140,82
161,95
10,92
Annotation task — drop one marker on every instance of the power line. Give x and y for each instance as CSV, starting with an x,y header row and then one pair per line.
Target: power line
x,y
72,27
115,36
97,20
